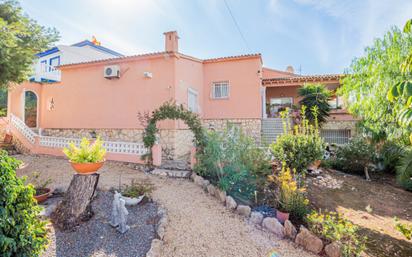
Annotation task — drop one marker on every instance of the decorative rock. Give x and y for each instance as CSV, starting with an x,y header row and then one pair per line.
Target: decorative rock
x,y
155,248
256,218
211,189
290,230
230,203
205,184
198,180
333,250
274,226
220,195
309,241
243,210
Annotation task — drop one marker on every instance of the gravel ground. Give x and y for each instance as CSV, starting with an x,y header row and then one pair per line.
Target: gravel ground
x,y
97,238
198,224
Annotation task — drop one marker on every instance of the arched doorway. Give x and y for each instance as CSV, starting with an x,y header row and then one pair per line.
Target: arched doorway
x,y
30,109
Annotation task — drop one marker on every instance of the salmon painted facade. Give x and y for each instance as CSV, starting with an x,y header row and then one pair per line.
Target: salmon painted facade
x,y
89,99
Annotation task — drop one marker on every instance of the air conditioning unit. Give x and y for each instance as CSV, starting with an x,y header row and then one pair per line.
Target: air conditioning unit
x,y
147,74
112,71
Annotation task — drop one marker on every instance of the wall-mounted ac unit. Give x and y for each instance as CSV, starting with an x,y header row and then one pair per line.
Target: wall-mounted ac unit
x,y
112,71
147,74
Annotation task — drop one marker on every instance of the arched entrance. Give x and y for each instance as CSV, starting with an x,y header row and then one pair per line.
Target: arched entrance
x,y
30,109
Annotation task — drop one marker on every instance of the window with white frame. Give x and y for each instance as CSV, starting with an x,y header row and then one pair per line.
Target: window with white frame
x,y
220,90
192,104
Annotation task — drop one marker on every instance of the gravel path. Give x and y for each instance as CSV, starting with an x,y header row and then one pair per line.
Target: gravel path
x,y
198,224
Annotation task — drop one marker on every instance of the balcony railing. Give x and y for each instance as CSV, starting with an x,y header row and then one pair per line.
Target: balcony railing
x,y
45,73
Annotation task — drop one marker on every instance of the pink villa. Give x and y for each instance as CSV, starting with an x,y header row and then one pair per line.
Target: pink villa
x,y
102,95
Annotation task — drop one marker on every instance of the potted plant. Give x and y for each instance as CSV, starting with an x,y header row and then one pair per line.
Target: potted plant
x,y
137,192
87,158
42,191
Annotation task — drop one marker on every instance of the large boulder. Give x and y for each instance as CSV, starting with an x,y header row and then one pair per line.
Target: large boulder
x,y
230,203
274,226
256,218
333,249
290,230
309,241
243,210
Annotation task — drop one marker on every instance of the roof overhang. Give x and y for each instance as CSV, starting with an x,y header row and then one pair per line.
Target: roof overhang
x,y
300,80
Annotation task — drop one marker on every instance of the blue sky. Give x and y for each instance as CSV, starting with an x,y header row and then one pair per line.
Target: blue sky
x,y
319,36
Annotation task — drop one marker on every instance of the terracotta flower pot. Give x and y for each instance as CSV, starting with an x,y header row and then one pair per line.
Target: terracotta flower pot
x,y
282,216
87,168
43,195
315,165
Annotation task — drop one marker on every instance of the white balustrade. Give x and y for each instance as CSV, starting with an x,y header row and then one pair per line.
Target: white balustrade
x,y
27,132
61,142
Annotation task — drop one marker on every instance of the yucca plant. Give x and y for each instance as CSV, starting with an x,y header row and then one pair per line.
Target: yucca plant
x,y
86,152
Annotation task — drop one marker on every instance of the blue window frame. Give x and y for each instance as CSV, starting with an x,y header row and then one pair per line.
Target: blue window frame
x,y
55,61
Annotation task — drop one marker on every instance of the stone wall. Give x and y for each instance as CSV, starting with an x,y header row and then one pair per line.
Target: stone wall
x,y
340,125
251,127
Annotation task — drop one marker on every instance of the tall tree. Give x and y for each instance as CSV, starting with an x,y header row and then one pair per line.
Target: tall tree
x,y
20,39
368,80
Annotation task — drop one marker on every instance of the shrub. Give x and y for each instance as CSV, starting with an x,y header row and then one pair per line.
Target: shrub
x,y
315,95
86,153
405,229
290,197
390,155
22,232
333,227
404,170
232,161
355,156
136,189
300,147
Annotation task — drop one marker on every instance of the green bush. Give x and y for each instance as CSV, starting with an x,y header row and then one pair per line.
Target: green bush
x,y
86,153
300,147
404,170
390,155
22,233
356,156
232,161
333,227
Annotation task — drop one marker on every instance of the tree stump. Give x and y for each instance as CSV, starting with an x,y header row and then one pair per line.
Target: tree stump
x,y
76,204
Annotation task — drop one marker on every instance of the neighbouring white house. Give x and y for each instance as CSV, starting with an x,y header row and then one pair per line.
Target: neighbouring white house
x,y
45,66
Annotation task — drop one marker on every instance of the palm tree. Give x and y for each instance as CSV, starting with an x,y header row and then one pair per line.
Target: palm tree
x,y
315,95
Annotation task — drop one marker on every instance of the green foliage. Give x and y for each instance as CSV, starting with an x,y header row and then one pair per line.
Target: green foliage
x,y
315,95
169,110
86,153
404,170
20,39
368,80
290,196
355,155
300,147
136,189
404,229
390,154
39,184
333,227
232,161
22,232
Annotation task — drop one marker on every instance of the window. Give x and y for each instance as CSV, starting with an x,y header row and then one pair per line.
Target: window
x,y
43,66
336,103
220,90
55,61
192,104
279,104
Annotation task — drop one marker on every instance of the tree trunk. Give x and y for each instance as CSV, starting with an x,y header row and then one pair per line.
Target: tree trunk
x,y
75,207
368,178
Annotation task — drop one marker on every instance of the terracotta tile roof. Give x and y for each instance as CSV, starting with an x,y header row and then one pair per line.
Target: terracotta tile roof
x,y
116,59
286,81
235,57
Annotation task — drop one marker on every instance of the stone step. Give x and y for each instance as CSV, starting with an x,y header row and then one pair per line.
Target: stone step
x,y
175,165
172,173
